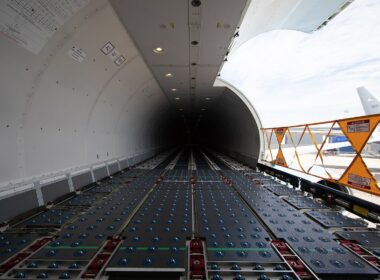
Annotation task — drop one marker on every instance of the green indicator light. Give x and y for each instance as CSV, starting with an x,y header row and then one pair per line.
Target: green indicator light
x,y
242,249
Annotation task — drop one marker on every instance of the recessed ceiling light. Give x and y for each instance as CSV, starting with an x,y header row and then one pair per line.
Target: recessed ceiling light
x,y
208,98
180,109
158,50
168,75
177,98
174,89
196,3
203,109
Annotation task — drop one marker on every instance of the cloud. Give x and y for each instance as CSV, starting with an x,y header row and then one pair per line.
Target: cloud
x,y
293,77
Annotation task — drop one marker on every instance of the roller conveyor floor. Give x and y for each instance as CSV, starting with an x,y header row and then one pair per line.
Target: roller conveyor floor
x,y
187,215
232,232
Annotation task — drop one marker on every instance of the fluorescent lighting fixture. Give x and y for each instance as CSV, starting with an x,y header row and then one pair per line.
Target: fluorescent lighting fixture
x,y
177,98
174,89
168,75
208,98
158,50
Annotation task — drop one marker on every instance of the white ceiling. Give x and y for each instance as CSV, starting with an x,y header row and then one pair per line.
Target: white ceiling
x,y
173,25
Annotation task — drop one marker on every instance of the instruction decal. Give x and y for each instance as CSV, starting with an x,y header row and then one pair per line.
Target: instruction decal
x,y
119,60
31,23
359,181
110,50
77,54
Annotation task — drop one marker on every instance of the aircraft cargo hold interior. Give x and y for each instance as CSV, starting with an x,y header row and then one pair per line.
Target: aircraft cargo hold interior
x,y
129,150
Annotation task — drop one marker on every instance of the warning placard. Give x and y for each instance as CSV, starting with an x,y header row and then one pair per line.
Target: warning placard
x,y
358,126
358,176
359,181
358,130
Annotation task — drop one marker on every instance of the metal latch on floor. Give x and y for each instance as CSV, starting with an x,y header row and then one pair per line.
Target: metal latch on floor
x,y
197,263
297,265
362,253
101,259
13,261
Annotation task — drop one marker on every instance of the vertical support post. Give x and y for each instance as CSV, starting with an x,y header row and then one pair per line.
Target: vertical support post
x,y
92,174
108,170
70,181
40,198
118,164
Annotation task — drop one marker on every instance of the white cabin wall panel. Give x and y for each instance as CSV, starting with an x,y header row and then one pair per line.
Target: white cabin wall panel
x,y
9,168
136,120
149,87
119,91
132,122
124,128
50,104
48,151
151,127
106,140
55,107
16,77
142,118
17,71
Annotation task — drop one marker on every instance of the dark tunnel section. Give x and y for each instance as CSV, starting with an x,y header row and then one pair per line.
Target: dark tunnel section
x,y
226,126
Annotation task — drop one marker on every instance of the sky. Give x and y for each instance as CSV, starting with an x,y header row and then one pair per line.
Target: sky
x,y
293,77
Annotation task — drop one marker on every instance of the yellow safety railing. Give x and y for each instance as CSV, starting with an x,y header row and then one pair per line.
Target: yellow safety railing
x,y
345,151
